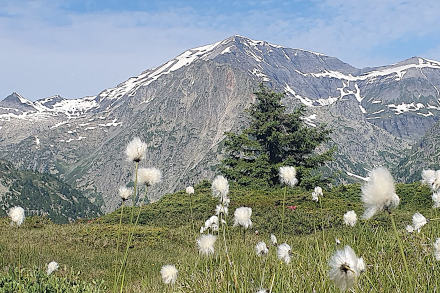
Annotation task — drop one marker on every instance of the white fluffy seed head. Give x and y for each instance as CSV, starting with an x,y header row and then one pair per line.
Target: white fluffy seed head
x,y
345,266
17,215
149,176
379,193
124,192
437,249
262,291
220,187
318,191
315,196
211,223
52,267
409,228
206,243
431,178
261,248
190,190
350,218
418,221
242,217
288,175
283,252
135,150
436,199
274,240
169,274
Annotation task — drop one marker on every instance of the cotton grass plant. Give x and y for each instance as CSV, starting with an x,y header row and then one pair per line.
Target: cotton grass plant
x,y
345,268
17,217
379,194
135,152
287,176
190,191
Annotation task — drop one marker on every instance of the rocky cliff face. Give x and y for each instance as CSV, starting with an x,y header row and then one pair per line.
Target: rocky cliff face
x,y
182,109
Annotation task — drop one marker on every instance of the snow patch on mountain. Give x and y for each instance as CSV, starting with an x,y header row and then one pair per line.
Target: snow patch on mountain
x,y
308,102
402,108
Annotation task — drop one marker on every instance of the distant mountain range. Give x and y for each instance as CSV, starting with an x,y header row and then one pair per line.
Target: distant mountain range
x,y
379,116
42,195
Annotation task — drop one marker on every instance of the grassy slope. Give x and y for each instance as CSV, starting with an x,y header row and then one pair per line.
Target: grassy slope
x,y
165,237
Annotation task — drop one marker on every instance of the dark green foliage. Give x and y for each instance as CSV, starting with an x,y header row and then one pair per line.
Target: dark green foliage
x,y
42,194
274,138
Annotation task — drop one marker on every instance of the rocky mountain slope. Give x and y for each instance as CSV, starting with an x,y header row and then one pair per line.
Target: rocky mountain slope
x,y
425,154
42,194
183,107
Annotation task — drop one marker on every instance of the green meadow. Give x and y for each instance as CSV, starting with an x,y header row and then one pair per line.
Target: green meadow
x,y
87,250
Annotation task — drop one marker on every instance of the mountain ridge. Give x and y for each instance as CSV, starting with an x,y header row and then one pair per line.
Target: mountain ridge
x,y
185,105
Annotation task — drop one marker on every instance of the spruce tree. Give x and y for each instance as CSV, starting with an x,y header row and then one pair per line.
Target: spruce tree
x,y
274,138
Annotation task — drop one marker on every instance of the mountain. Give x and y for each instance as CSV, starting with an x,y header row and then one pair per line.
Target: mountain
x,y
42,194
183,107
425,154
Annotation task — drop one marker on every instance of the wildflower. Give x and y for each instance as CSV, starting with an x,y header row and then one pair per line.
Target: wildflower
x,y
52,267
206,244
288,175
17,215
149,176
242,217
337,241
262,291
221,209
283,252
315,196
418,221
436,199
220,187
169,274
135,150
350,218
124,192
409,228
273,239
211,223
190,190
431,178
437,249
361,265
292,208
318,191
379,193
261,248
345,266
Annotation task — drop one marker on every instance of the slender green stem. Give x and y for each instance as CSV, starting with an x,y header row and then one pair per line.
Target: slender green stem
x,y
231,264
124,259
117,248
191,211
19,260
402,252
282,212
130,238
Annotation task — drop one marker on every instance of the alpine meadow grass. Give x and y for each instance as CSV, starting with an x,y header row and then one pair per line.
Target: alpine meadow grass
x,y
224,263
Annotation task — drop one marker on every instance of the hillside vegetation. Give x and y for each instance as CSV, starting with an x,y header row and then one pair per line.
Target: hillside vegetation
x,y
42,194
166,236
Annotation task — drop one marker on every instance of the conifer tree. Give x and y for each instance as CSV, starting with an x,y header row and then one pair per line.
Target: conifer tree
x,y
274,138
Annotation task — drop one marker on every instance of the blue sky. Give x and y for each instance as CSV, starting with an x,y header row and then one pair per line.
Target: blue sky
x,y
78,48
